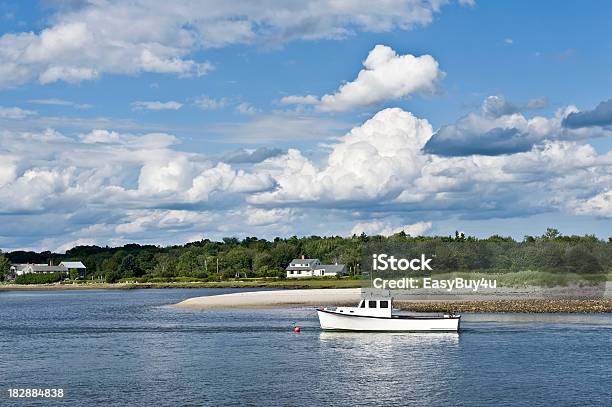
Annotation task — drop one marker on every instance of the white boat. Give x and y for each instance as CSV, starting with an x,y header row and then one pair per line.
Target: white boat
x,y
377,314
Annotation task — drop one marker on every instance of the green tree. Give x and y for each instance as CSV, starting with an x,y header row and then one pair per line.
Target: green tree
x,y
551,234
261,261
129,268
188,263
5,266
73,274
112,276
165,265
283,253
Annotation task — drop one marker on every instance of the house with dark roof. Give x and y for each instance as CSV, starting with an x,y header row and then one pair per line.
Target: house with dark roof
x,y
63,267
303,267
21,269
75,265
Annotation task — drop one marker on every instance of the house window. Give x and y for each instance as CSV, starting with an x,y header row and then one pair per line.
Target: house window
x,y
371,304
384,304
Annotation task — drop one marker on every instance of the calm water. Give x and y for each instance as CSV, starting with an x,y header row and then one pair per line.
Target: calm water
x,y
127,348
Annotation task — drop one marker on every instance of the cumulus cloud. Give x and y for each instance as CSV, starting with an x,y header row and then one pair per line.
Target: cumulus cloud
x,y
114,187
82,43
156,105
369,162
387,76
500,128
382,165
600,116
598,205
383,228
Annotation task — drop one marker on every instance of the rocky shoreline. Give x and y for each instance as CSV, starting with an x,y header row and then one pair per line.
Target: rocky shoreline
x,y
548,305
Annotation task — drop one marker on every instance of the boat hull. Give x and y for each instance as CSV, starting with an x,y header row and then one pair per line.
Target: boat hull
x,y
335,321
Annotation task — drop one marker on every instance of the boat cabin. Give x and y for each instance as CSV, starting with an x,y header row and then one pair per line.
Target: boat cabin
x,y
372,307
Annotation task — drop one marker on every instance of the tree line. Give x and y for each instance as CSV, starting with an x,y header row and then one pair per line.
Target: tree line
x,y
253,257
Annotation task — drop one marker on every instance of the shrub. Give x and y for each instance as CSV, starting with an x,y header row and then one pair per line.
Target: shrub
x,y
39,278
112,277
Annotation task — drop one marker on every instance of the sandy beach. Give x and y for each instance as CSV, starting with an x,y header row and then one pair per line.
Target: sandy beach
x,y
276,298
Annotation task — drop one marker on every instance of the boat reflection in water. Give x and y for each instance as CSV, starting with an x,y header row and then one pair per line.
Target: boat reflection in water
x,y
388,368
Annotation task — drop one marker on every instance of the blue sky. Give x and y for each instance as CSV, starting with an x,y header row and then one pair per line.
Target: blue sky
x,y
125,121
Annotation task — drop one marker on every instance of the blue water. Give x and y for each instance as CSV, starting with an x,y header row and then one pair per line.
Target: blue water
x,y
117,348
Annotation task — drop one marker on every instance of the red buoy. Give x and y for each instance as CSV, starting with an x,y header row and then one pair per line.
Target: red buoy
x,y
296,329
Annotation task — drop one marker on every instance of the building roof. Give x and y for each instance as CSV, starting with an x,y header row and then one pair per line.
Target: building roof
x,y
304,261
48,269
73,265
336,268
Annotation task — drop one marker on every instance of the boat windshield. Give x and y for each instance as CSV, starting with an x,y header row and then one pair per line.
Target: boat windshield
x,y
362,304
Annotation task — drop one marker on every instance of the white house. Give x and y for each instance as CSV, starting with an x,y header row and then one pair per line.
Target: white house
x,y
299,268
21,269
63,267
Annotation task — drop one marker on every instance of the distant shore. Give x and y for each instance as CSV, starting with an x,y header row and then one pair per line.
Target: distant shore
x,y
279,284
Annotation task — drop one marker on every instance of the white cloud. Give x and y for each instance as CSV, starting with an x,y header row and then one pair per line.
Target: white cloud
x,y
387,76
114,187
262,217
300,100
82,43
67,74
368,163
15,113
246,109
509,41
156,105
138,222
381,165
379,227
598,205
